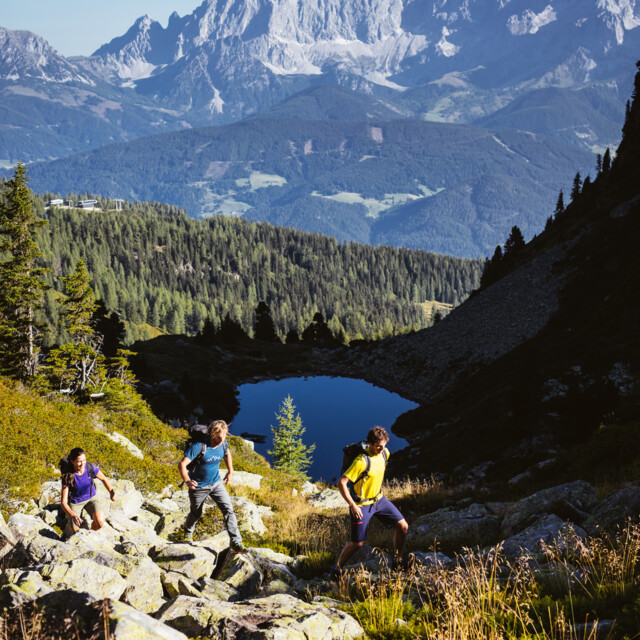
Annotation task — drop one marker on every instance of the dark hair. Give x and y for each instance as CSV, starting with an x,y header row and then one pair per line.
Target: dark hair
x,y
377,434
67,469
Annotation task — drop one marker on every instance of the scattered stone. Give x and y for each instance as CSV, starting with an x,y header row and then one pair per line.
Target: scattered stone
x,y
187,559
249,516
243,572
545,532
176,584
217,590
431,559
569,501
118,438
86,576
243,479
7,539
614,511
472,526
327,499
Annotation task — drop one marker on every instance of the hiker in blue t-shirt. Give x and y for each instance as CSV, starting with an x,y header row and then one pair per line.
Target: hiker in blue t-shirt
x,y
79,493
204,480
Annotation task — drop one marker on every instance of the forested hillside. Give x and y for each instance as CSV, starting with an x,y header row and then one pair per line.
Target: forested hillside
x,y
161,269
445,188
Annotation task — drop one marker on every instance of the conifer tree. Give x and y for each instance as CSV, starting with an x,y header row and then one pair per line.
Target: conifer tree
x,y
598,165
263,328
559,206
22,290
77,367
289,452
577,185
606,161
515,242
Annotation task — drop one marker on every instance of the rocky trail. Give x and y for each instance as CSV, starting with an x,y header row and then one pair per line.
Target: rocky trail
x,y
131,576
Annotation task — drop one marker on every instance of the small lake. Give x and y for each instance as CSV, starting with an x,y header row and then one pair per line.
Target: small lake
x,y
334,412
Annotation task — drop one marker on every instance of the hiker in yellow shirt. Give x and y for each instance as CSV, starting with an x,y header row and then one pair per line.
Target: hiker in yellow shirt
x,y
361,486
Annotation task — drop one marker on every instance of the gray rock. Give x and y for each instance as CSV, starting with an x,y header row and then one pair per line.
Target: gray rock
x,y
128,500
472,526
49,493
118,438
86,576
243,572
243,479
189,560
170,523
144,589
124,622
546,531
277,616
37,542
160,507
7,539
28,526
147,519
176,584
309,488
135,532
249,516
327,499
570,501
21,587
432,559
614,511
217,590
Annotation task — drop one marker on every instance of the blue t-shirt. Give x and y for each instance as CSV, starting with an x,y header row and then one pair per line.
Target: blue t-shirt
x,y
207,471
83,489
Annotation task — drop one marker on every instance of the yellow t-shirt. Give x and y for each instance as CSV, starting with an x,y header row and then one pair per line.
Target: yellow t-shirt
x,y
367,488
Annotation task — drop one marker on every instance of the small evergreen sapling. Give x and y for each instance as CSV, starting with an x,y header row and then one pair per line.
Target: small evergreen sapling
x,y
289,452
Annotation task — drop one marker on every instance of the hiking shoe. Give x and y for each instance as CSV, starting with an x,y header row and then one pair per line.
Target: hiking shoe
x,y
336,573
238,547
188,536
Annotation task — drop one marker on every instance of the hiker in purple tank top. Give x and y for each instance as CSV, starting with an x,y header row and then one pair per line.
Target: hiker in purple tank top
x,y
79,493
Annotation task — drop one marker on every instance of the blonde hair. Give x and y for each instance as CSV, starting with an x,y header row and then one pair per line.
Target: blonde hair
x,y
217,427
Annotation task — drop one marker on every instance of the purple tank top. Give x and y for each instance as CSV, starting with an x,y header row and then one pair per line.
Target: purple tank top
x,y
82,489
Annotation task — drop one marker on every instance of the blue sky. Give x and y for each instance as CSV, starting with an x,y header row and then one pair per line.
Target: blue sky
x,y
79,27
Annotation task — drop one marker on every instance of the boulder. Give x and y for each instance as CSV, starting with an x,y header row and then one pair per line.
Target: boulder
x,y
189,560
144,589
147,519
49,493
475,525
276,616
249,516
176,584
7,539
327,499
118,438
217,590
572,501
160,507
243,479
431,559
614,511
545,532
309,488
128,500
86,576
127,530
243,572
28,526
36,542
61,613
19,587
170,523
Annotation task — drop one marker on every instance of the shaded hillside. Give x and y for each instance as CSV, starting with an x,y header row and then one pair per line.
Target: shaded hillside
x,y
534,364
339,178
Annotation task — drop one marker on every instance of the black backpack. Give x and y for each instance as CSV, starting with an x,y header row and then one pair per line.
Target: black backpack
x,y
350,453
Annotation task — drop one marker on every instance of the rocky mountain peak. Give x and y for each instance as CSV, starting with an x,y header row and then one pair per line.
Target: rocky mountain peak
x,y
24,54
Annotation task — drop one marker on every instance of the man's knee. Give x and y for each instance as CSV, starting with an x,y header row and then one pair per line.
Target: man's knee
x,y
402,526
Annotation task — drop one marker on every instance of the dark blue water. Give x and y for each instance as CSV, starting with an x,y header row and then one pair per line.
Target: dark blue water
x,y
334,412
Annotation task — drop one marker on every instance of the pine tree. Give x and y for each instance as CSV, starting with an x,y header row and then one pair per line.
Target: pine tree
x,y
515,243
559,206
263,328
598,165
577,185
606,161
289,452
23,286
77,366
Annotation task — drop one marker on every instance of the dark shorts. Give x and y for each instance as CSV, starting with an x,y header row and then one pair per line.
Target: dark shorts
x,y
383,509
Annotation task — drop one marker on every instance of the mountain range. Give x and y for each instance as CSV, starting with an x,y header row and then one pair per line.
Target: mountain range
x,y
443,60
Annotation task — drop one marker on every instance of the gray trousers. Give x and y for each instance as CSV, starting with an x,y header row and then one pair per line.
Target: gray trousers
x,y
219,495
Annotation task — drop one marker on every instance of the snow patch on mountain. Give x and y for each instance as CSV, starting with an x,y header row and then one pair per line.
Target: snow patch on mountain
x,y
619,16
444,47
529,22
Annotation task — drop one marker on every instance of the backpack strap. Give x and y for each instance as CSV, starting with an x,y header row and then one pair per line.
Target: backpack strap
x,y
363,476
